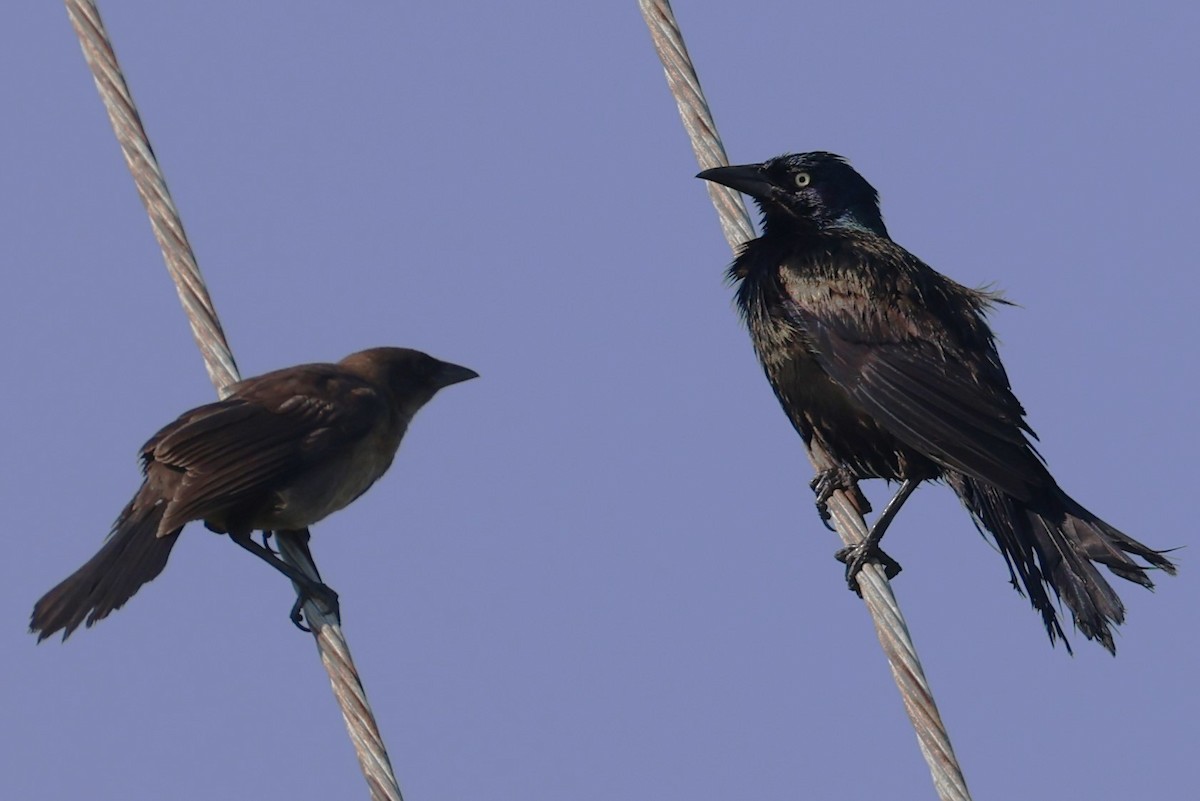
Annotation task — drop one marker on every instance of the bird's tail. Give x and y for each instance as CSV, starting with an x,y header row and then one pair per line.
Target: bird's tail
x,y
133,554
1053,542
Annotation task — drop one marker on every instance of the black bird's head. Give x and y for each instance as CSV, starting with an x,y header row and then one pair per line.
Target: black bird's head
x,y
808,190
409,376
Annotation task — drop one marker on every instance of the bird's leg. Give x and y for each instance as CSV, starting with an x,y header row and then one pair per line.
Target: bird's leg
x,y
856,556
300,538
266,536
829,481
307,588
295,615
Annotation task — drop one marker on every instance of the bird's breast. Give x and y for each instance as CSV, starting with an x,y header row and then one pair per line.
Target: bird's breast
x,y
818,407
333,483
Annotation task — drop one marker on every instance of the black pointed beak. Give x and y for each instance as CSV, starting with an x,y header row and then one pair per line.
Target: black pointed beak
x,y
749,179
454,374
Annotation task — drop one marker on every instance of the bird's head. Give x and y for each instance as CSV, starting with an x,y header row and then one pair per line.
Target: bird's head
x,y
411,377
810,190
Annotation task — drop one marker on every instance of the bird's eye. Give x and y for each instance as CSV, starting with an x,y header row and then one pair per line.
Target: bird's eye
x,y
802,179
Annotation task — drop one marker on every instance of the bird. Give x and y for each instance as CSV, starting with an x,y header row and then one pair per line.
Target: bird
x,y
280,452
892,369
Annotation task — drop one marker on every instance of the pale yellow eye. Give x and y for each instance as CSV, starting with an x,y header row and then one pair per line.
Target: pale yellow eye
x,y
803,179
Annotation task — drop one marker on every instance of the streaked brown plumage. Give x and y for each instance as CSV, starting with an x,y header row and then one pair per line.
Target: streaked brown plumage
x,y
281,452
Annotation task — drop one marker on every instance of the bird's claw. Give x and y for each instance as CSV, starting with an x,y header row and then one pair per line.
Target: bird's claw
x,y
856,557
829,481
321,594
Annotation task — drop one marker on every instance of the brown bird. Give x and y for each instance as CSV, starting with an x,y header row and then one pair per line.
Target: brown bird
x,y
281,452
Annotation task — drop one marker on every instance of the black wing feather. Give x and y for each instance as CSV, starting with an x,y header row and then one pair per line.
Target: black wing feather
x,y
933,407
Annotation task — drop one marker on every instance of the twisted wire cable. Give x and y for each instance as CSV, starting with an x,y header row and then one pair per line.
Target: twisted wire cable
x,y
932,736
222,370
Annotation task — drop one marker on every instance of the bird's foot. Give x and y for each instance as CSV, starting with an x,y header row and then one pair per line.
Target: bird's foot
x,y
266,537
321,594
856,557
829,481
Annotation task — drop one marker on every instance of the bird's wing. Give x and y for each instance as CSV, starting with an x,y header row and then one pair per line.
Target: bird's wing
x,y
950,403
271,428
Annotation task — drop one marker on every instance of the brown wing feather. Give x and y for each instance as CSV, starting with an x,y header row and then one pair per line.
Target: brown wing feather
x,y
271,428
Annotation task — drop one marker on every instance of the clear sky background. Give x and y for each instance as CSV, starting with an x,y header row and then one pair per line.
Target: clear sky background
x,y
596,572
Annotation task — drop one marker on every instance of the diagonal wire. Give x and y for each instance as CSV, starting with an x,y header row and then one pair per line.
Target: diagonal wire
x,y
885,612
222,370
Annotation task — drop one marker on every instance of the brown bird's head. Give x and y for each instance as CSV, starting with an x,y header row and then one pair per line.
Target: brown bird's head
x,y
411,377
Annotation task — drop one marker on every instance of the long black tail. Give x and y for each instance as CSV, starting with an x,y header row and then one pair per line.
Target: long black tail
x,y
1054,542
133,554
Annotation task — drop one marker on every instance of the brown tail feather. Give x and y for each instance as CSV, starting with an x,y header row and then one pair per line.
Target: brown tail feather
x,y
132,555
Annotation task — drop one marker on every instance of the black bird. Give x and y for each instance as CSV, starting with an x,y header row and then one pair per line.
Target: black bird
x,y
892,369
281,452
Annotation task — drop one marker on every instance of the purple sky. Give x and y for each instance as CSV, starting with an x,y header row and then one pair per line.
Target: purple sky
x,y
596,572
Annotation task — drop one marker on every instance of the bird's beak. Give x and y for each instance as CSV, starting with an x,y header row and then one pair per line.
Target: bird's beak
x,y
454,374
749,179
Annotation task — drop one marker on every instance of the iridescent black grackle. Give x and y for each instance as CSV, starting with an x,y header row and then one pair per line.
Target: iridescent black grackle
x,y
892,369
